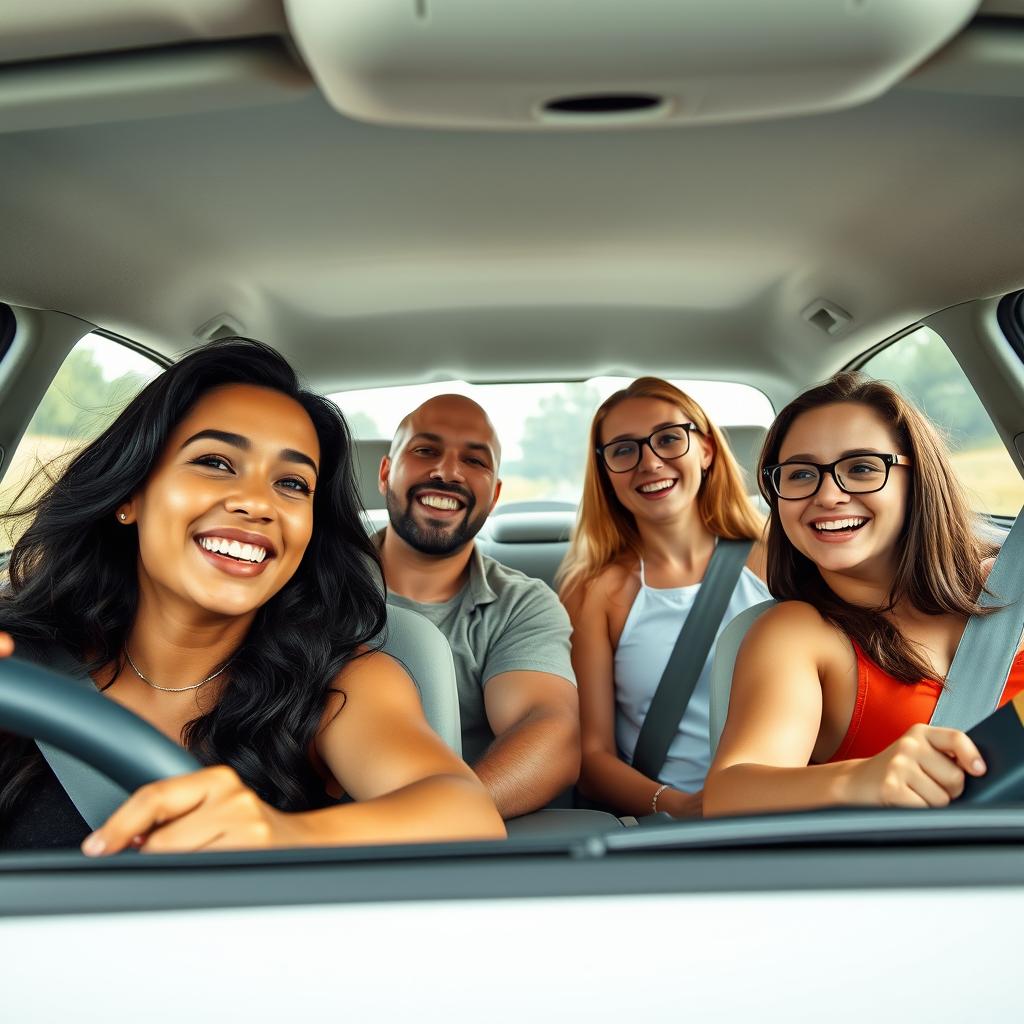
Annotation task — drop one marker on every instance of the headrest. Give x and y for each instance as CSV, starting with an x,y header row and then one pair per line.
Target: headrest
x,y
531,527
368,455
745,442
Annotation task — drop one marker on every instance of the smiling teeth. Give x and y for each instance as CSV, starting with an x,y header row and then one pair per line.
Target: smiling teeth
x,y
839,524
233,549
658,485
435,501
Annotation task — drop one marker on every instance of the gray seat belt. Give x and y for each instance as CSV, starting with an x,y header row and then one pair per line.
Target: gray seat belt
x,y
692,646
94,795
977,676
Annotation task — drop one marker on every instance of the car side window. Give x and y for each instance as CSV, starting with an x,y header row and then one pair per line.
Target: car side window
x,y
95,382
925,371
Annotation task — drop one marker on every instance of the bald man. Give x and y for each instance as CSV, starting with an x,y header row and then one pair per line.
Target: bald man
x,y
508,633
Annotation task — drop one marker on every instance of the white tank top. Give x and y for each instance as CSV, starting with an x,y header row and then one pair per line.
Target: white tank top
x,y
648,637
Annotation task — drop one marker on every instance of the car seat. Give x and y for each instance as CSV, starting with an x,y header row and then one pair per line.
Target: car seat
x,y
722,666
423,651
533,542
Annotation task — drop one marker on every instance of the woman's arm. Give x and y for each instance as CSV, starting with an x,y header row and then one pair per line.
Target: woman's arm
x,y
775,714
379,747
409,784
604,776
775,711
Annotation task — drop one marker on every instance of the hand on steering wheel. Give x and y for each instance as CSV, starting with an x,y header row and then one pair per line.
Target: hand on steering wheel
x,y
212,809
173,806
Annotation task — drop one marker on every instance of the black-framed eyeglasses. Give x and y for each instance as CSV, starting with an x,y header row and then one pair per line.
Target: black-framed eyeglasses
x,y
855,474
671,442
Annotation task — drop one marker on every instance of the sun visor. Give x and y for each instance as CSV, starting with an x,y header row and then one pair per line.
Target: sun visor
x,y
519,64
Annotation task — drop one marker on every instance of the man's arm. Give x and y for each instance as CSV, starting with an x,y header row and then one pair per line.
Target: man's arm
x,y
536,750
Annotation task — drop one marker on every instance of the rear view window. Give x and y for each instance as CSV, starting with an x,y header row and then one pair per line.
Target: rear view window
x,y
543,427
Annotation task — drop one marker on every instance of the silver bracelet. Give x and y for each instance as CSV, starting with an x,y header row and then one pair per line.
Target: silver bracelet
x,y
654,799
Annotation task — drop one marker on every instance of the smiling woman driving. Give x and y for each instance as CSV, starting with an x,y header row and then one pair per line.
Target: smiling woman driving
x,y
205,562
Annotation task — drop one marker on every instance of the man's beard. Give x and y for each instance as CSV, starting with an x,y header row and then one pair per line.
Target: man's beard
x,y
433,540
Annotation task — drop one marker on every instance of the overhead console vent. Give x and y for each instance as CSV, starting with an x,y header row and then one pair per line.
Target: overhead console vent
x,y
515,64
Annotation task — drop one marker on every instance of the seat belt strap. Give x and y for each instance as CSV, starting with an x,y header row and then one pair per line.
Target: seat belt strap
x,y
94,795
977,676
691,650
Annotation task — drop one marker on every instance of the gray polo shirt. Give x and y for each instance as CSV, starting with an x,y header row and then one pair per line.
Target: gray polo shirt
x,y
501,621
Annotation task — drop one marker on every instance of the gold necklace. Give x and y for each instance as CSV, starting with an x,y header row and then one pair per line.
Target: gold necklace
x,y
176,689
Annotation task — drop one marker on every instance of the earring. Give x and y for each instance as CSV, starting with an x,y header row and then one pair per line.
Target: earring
x,y
124,516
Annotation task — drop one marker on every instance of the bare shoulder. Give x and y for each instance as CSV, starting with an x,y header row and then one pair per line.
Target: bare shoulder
x,y
618,582
790,622
789,648
609,587
369,677
369,665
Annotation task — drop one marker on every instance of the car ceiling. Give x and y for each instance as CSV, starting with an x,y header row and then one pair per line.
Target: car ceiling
x,y
168,170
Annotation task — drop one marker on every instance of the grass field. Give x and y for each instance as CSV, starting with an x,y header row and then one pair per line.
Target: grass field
x,y
32,455
992,479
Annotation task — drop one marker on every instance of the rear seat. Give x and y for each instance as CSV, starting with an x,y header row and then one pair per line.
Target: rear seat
x,y
533,542
534,536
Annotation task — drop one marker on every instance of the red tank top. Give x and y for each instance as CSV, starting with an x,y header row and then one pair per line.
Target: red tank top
x,y
886,708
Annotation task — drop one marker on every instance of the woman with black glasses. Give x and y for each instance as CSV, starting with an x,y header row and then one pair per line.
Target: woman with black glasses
x,y
873,551
661,489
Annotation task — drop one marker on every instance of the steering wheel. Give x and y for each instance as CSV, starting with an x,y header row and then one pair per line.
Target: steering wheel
x,y
43,705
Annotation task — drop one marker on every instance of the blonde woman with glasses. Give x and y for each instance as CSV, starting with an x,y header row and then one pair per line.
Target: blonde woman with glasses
x,y
661,489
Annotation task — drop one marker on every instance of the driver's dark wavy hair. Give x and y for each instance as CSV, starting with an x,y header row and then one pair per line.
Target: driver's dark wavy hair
x,y
73,581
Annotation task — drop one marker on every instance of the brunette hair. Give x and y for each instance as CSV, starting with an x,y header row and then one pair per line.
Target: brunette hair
x,y
940,553
605,531
73,581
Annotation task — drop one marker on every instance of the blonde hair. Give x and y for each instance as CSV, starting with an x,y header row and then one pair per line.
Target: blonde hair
x,y
605,531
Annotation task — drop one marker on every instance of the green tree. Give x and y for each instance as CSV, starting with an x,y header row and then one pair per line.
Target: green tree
x,y
554,441
363,425
925,371
81,402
